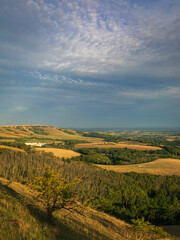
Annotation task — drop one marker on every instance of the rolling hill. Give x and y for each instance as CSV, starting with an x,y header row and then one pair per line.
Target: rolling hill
x,y
22,218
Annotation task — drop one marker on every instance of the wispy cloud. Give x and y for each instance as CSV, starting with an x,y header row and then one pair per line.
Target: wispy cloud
x,y
89,53
18,109
169,92
92,38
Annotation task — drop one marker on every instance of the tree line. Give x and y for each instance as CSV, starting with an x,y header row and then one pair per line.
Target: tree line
x,y
124,156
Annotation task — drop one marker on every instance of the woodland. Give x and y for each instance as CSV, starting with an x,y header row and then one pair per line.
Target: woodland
x,y
126,196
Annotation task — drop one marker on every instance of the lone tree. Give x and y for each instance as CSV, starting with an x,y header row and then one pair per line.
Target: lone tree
x,y
55,191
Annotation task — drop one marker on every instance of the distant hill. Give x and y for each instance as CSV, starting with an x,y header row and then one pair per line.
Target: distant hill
x,y
38,131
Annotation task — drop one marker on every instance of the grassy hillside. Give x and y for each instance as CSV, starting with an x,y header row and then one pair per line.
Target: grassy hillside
x,y
22,218
38,131
159,167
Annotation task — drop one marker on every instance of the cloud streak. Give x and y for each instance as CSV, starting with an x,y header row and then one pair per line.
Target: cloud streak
x,y
94,38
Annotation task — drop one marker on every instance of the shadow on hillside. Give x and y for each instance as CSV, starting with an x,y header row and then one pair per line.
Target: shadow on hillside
x,y
56,229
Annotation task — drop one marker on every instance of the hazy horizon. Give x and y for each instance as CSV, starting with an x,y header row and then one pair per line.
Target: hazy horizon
x,y
90,64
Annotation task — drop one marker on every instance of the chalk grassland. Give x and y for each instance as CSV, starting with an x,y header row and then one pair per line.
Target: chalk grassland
x,y
22,218
12,148
116,145
164,166
62,153
33,131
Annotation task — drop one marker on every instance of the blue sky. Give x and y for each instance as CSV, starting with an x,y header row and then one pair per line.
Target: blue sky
x,y
90,63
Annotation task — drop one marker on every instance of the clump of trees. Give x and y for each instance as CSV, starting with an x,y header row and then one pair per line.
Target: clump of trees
x,y
66,144
141,226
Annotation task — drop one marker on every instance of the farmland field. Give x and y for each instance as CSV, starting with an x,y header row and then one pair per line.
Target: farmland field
x,y
117,145
62,153
166,166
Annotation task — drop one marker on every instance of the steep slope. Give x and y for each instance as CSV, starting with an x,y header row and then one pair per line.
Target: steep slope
x,y
22,218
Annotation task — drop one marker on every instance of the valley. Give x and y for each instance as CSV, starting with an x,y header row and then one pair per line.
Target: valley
x,y
126,179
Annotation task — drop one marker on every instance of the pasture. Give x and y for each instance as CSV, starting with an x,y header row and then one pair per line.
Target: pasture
x,y
62,153
164,166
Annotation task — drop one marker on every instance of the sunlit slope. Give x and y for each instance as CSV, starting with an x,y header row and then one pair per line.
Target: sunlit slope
x,y
38,131
12,148
22,218
164,166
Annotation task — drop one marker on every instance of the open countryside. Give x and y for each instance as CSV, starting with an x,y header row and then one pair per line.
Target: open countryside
x,y
26,151
117,145
158,167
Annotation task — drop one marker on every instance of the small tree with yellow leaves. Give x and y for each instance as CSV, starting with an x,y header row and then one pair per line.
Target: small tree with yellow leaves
x,y
55,191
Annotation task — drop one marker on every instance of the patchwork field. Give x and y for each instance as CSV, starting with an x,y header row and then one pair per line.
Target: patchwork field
x,y
116,145
164,166
62,153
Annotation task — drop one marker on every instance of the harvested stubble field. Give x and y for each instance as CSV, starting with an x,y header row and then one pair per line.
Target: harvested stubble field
x,y
62,153
116,145
164,166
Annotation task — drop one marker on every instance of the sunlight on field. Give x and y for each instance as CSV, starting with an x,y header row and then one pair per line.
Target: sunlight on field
x,y
166,166
117,145
12,148
60,152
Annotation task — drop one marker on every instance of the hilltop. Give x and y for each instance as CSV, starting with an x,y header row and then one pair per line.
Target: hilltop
x,y
37,131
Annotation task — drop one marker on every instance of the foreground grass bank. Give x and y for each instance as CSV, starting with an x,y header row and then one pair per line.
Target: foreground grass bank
x,y
22,218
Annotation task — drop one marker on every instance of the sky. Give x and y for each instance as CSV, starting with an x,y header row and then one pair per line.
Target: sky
x,y
90,63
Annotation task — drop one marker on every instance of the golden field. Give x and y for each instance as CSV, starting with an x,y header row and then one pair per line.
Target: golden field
x,y
62,153
117,145
164,166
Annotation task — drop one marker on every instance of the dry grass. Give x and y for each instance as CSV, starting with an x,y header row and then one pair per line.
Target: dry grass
x,y
27,131
164,166
62,153
88,223
117,145
12,148
96,225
